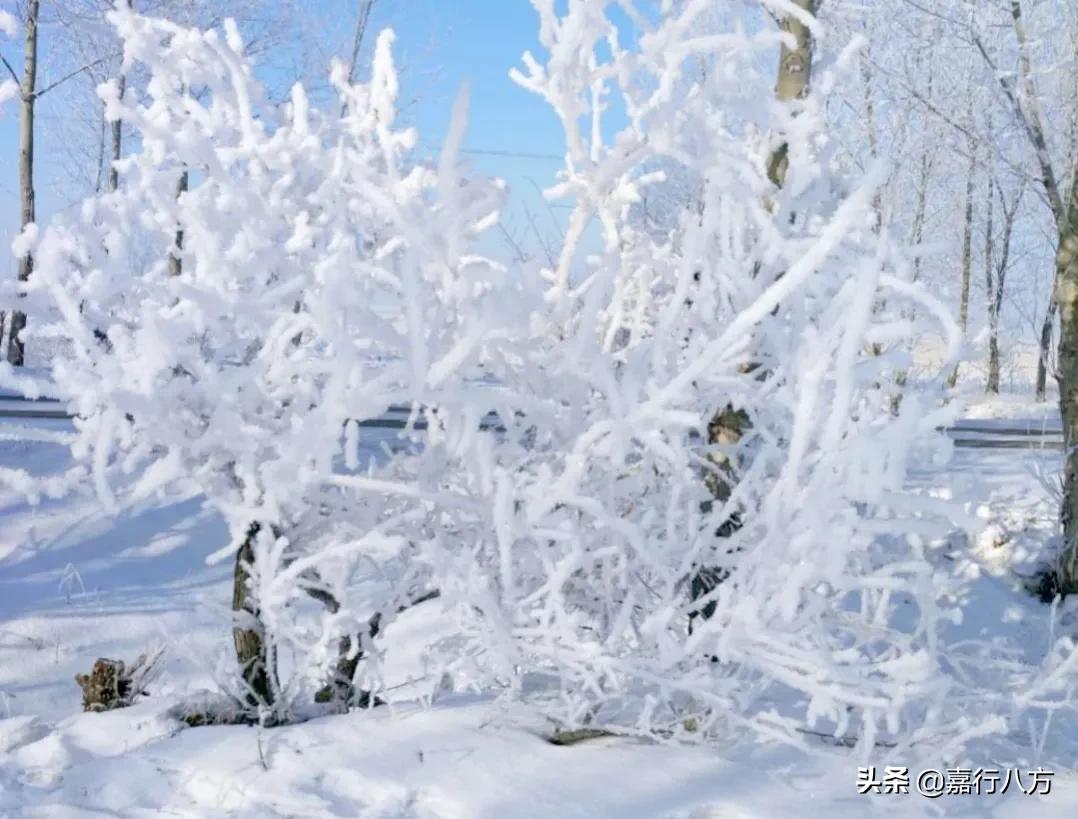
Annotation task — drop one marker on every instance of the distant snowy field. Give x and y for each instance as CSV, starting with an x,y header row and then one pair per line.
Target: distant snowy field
x,y
75,585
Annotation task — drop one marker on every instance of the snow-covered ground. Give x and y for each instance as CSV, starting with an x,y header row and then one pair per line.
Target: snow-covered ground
x,y
1011,404
75,585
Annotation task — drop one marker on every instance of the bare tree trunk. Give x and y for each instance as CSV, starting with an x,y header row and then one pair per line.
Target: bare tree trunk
x,y
1025,100
873,145
1027,104
995,295
118,131
175,262
257,665
1067,299
794,77
1045,348
351,650
873,152
117,140
917,228
993,356
101,152
28,93
1066,296
967,253
992,380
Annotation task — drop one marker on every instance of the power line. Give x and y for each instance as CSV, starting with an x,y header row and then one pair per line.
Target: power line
x,y
437,149
89,120
514,154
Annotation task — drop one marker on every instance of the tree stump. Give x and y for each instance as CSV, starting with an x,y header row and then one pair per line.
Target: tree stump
x,y
111,684
106,687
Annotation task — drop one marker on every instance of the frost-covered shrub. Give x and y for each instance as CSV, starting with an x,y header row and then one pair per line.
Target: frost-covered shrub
x,y
263,281
234,335
761,302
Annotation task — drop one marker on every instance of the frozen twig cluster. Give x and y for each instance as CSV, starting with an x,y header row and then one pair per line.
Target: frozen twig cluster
x,y
761,300
234,335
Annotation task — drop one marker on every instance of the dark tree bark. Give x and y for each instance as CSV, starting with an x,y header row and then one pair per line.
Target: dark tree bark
x,y
1045,348
117,140
1067,299
257,665
794,78
175,262
118,132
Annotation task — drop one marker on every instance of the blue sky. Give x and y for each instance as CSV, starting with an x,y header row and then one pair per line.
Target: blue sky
x,y
440,45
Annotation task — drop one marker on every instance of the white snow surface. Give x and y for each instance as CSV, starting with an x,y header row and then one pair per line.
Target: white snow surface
x,y
76,585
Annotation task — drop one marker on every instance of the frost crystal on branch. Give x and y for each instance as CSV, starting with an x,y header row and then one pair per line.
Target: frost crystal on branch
x,y
323,277
758,299
234,334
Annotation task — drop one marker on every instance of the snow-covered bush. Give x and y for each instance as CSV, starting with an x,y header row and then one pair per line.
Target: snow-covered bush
x,y
233,332
763,304
262,282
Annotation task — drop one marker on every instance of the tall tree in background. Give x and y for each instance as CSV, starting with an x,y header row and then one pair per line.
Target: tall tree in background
x,y
82,44
82,35
996,270
118,129
967,239
28,95
1025,99
1026,103
794,76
